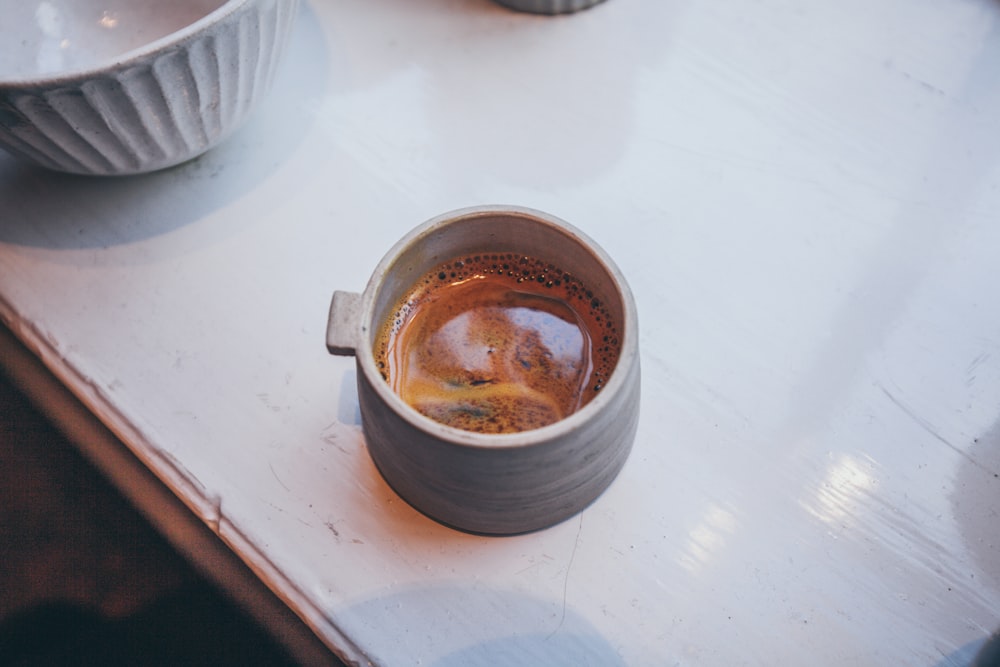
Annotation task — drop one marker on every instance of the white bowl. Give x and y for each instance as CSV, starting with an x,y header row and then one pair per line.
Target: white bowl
x,y
112,87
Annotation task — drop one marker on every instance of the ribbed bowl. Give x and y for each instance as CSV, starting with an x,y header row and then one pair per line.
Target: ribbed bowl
x,y
146,106
548,6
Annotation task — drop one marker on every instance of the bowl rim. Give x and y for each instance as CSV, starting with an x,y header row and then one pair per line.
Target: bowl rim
x,y
130,58
628,360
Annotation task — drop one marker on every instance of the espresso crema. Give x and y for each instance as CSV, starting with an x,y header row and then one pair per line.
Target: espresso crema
x,y
497,343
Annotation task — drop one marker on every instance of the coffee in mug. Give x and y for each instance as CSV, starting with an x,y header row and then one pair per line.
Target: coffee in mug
x,y
495,320
497,343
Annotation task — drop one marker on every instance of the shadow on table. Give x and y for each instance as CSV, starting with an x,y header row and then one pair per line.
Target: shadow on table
x,y
977,485
989,654
52,210
452,626
979,653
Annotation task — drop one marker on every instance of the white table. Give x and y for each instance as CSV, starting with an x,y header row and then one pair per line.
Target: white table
x,y
804,197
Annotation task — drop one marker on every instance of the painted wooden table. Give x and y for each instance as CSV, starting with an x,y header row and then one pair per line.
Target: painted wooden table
x,y
804,197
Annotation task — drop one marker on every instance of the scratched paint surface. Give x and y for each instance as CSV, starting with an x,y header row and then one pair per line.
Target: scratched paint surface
x,y
804,199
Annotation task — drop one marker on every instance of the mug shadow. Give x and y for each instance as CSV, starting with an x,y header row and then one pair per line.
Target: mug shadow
x,y
57,211
498,628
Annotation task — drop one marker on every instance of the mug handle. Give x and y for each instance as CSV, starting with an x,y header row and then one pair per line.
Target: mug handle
x,y
342,325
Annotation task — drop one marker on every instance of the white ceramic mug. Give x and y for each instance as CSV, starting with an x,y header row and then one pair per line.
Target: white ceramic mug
x,y
496,484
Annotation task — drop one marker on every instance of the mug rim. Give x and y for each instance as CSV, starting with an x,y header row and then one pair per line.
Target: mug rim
x,y
365,357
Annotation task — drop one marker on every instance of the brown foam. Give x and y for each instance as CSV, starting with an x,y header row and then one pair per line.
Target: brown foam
x,y
497,344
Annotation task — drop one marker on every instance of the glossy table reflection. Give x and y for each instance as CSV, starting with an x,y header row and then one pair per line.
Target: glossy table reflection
x,y
804,199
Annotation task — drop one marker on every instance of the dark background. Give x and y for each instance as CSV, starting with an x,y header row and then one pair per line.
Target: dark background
x,y
85,580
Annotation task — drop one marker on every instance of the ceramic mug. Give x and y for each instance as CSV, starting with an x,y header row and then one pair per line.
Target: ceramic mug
x,y
494,484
